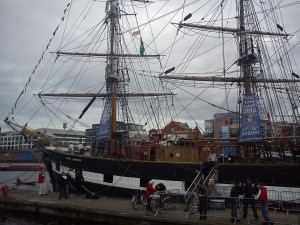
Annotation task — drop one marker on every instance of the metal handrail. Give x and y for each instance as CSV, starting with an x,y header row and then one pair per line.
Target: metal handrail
x,y
195,184
209,176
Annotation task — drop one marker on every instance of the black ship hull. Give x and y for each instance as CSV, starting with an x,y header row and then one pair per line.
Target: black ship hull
x,y
122,177
272,174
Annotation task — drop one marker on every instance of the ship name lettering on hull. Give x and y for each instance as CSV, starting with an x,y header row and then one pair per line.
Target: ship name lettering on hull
x,y
73,159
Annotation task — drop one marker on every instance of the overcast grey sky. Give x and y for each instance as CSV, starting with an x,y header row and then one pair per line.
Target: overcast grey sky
x,y
27,25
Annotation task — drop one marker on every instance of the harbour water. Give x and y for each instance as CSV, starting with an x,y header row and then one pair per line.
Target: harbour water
x,y
16,221
31,220
10,220
10,178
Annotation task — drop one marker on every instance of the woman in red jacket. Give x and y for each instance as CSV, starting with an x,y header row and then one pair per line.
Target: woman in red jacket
x,y
263,198
149,191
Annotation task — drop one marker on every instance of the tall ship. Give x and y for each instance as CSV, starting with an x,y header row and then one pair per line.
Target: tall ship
x,y
185,62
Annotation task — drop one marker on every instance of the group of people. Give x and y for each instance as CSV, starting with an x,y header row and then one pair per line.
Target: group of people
x,y
63,183
119,154
248,192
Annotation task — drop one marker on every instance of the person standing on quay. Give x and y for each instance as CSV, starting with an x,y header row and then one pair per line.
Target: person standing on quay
x,y
78,181
62,185
250,190
42,182
263,198
236,190
203,202
149,191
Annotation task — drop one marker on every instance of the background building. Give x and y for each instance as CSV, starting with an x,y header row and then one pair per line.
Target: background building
x,y
174,131
229,121
64,136
91,134
14,141
135,131
209,128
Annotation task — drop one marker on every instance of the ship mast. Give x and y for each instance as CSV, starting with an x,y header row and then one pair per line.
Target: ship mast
x,y
245,59
107,140
250,128
112,71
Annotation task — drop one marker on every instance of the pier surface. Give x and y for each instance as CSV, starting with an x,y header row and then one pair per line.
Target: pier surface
x,y
114,210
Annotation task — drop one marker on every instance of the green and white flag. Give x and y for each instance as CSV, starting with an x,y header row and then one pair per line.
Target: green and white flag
x,y
142,48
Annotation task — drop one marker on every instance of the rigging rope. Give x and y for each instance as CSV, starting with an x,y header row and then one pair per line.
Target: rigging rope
x,y
40,59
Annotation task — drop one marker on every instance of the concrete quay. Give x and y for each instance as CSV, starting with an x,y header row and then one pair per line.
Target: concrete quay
x,y
106,210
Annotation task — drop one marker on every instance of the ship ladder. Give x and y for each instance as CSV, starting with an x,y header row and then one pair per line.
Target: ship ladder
x,y
191,197
211,180
191,193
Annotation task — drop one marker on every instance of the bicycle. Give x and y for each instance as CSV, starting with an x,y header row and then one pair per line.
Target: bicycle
x,y
160,201
139,200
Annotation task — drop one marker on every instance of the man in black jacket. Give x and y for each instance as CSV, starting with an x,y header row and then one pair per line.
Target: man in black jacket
x,y
62,185
250,190
236,190
203,202
78,181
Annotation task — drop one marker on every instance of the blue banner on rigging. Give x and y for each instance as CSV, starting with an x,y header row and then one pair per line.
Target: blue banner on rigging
x,y
225,133
250,130
104,127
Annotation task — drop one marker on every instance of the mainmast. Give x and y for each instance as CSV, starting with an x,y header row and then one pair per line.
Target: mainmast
x,y
249,62
246,60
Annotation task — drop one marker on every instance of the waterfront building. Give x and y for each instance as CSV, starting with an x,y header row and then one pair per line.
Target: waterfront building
x,y
287,129
14,141
135,132
226,123
209,128
67,137
91,134
230,123
174,131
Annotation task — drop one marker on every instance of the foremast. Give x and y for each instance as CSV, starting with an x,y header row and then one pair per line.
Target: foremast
x,y
108,140
111,75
